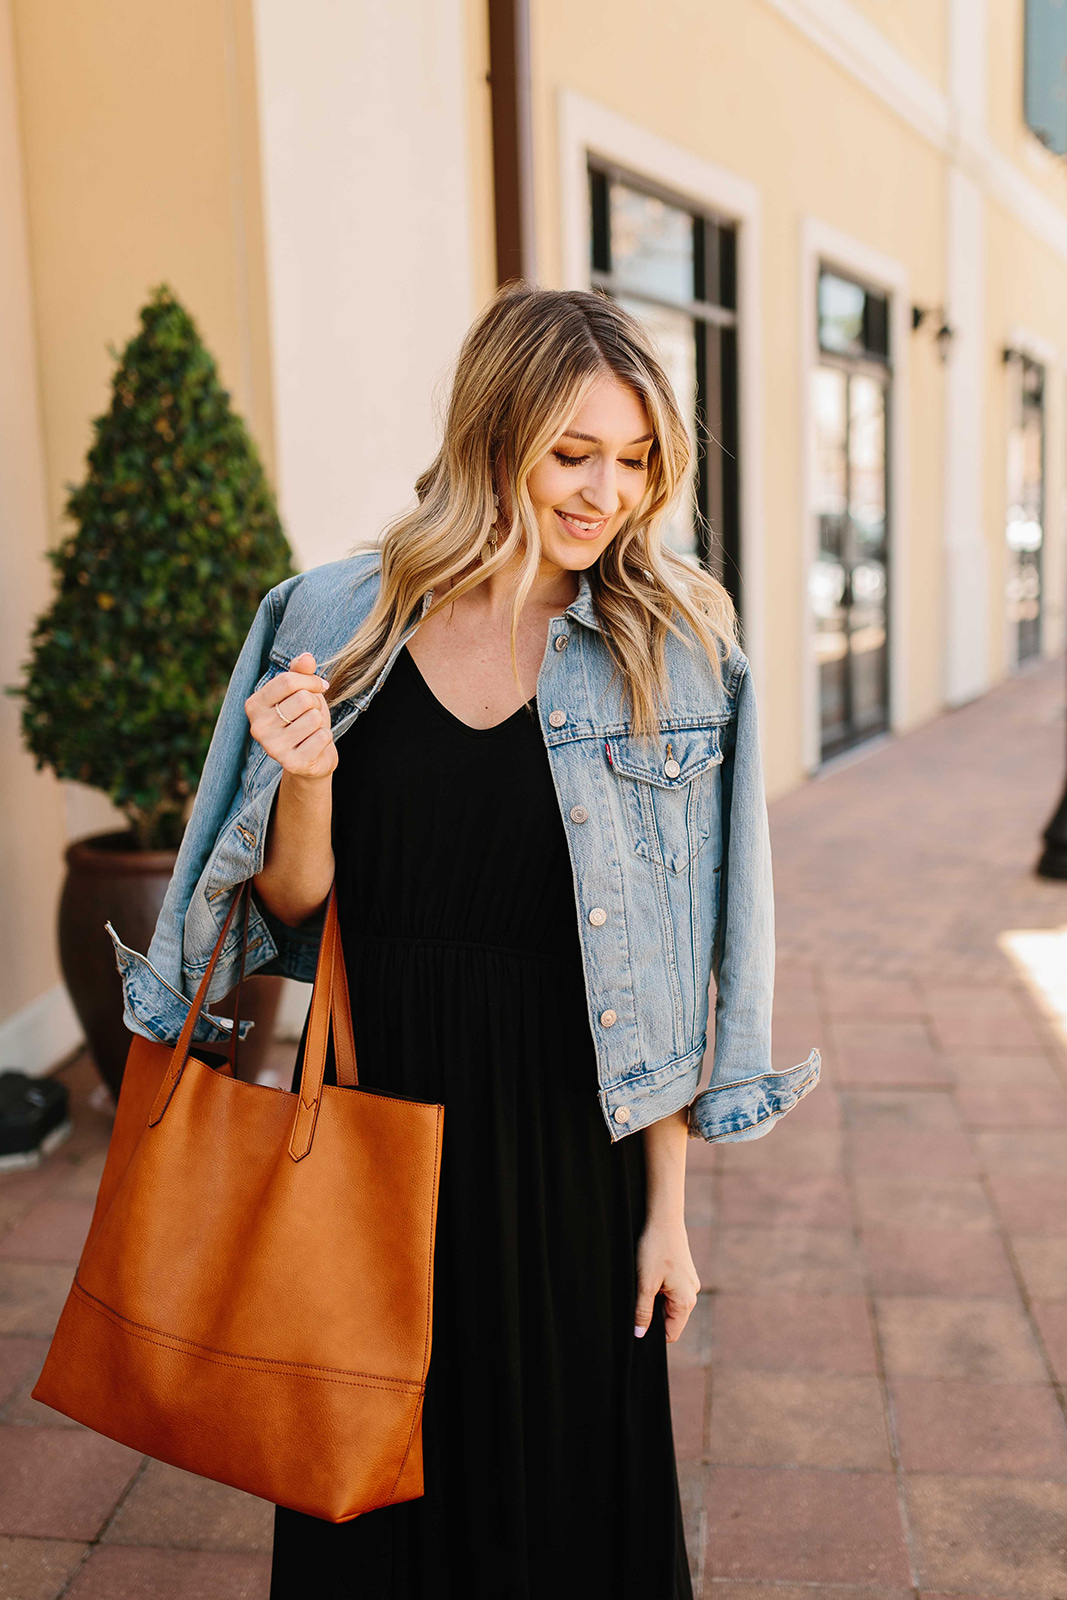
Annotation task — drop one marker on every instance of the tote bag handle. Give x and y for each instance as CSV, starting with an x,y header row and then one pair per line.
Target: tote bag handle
x,y
329,1003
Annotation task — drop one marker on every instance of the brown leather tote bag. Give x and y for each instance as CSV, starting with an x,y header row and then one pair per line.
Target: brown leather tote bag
x,y
254,1299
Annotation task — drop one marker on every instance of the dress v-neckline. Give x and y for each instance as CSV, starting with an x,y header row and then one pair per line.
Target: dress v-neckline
x,y
450,716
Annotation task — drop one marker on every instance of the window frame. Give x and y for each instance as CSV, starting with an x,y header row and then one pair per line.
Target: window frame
x,y
879,367
1034,100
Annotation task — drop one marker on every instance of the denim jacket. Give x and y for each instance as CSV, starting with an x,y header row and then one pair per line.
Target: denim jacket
x,y
668,842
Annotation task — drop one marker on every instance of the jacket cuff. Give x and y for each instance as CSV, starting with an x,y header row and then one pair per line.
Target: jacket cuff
x,y
734,1112
297,948
153,1009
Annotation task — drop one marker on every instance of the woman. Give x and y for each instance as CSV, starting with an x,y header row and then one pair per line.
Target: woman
x,y
533,775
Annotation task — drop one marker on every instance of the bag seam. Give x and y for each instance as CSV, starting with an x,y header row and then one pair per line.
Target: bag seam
x,y
174,1342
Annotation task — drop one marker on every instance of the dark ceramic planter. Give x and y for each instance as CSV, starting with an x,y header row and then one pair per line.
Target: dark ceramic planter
x,y
108,881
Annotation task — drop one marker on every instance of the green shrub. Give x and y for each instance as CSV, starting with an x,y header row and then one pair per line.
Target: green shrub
x,y
176,539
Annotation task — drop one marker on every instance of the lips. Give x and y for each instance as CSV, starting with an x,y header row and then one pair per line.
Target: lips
x,y
582,529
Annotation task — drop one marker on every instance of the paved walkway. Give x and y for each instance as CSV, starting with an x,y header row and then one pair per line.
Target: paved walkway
x,y
866,1406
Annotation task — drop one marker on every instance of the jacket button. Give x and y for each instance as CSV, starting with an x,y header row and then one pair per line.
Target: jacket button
x,y
608,1018
561,641
622,1113
671,768
598,916
579,814
556,719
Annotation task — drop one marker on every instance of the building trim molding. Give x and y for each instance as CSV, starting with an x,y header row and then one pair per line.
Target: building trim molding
x,y
822,244
840,32
863,51
585,128
40,1035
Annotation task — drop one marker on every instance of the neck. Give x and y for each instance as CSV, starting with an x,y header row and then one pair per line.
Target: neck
x,y
554,588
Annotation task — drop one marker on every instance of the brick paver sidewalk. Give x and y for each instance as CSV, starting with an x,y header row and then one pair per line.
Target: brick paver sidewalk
x,y
865,1399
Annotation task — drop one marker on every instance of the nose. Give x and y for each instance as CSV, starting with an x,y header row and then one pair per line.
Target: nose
x,y
602,490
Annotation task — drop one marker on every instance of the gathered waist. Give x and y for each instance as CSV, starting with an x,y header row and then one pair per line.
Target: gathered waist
x,y
562,957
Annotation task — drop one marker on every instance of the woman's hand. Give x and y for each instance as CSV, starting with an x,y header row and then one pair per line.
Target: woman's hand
x,y
290,719
665,1266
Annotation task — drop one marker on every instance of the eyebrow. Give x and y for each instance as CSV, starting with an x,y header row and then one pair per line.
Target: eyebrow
x,y
591,438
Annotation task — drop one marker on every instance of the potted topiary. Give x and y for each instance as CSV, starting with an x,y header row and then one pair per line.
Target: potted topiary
x,y
176,539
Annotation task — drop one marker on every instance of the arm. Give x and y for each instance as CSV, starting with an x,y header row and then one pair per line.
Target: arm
x,y
745,1096
290,719
664,1263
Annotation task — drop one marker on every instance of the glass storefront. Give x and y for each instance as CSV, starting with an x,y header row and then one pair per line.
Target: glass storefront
x,y
848,585
1026,505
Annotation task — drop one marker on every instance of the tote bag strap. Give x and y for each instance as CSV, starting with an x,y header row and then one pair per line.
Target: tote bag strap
x,y
329,1003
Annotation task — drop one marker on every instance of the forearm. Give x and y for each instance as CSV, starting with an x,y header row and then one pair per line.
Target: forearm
x,y
298,864
666,1143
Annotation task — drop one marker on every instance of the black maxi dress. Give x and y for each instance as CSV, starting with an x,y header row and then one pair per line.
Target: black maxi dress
x,y
548,1457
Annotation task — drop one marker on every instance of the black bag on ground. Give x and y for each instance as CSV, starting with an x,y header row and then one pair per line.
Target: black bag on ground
x,y
33,1112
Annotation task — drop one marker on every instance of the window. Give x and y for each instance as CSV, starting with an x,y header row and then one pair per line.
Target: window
x,y
675,269
848,582
1026,505
1045,91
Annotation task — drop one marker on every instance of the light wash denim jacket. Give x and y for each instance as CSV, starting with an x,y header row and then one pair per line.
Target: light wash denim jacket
x,y
668,842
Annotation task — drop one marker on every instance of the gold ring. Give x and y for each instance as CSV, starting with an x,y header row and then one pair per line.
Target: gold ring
x,y
285,719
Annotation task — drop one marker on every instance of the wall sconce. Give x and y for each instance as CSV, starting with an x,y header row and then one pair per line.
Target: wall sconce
x,y
945,332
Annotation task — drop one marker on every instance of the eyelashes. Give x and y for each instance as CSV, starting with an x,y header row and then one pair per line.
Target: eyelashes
x,y
576,461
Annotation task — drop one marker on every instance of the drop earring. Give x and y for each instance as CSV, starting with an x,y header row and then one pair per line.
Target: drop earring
x,y
489,547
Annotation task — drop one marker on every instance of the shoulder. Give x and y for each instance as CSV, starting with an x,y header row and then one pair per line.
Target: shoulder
x,y
690,668
333,582
320,609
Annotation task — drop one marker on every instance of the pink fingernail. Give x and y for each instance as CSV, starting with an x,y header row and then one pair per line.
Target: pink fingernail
x,y
639,1333
325,683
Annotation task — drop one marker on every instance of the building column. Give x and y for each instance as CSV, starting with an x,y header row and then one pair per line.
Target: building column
x,y
364,152
966,552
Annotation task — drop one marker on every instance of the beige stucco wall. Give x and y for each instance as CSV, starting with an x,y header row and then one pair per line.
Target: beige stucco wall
x,y
141,164
31,804
365,124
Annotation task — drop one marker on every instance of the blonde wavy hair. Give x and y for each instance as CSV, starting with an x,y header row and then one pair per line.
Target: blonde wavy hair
x,y
523,370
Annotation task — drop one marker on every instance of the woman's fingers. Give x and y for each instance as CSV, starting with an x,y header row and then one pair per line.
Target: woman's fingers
x,y
290,719
646,1298
676,1315
303,723
665,1266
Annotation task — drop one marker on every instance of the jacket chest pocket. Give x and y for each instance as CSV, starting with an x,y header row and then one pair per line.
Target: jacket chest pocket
x,y
667,784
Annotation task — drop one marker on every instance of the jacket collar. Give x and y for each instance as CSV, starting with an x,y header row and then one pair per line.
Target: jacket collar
x,y
581,609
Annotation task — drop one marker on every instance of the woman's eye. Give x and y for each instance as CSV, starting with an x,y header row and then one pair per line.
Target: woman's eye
x,y
638,466
568,461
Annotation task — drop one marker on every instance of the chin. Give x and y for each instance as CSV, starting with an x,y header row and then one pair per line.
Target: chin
x,y
572,555
579,560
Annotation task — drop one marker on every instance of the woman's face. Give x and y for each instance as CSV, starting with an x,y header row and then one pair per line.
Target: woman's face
x,y
593,477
